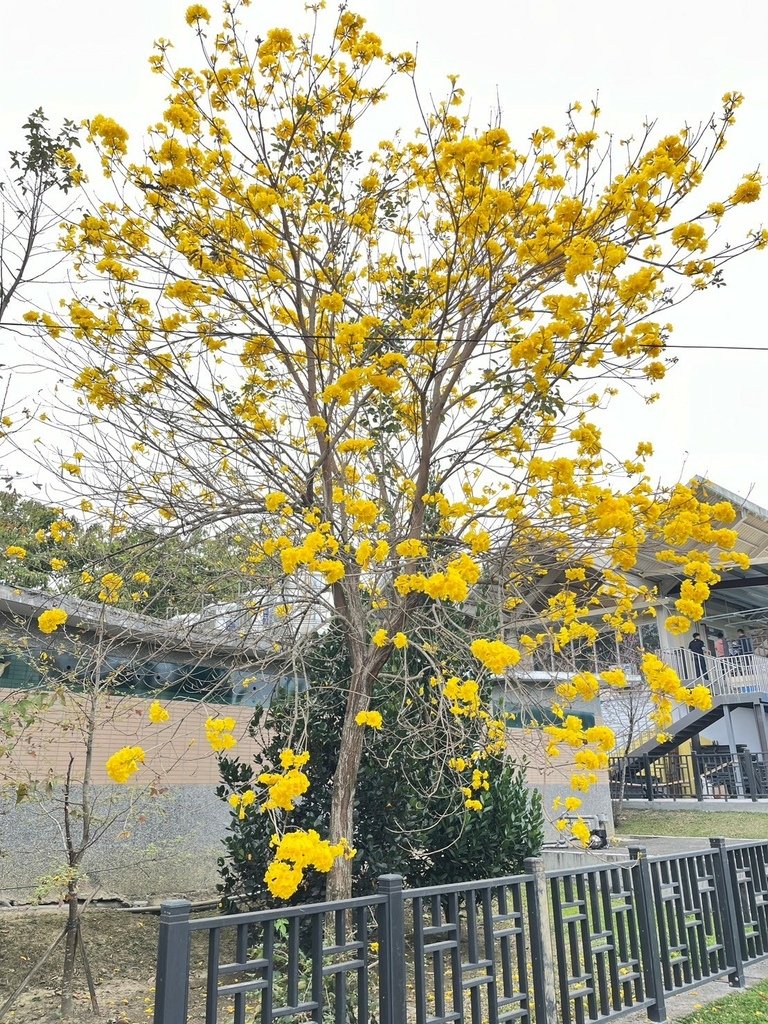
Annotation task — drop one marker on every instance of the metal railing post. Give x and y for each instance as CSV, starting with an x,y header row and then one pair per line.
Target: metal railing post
x,y
648,786
729,909
172,976
392,973
748,770
696,771
540,939
649,938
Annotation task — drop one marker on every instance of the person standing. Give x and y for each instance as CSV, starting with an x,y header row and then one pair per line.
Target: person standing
x,y
696,647
719,645
746,650
745,643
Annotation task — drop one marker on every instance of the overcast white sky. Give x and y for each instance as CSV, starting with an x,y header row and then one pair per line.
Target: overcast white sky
x,y
665,60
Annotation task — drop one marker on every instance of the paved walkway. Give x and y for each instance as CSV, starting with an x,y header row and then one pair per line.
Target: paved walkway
x,y
709,806
678,1007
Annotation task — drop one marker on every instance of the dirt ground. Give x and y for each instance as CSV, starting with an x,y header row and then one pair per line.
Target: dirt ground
x,y
121,947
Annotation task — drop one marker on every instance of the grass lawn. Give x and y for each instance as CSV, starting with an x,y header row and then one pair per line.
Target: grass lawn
x,y
727,824
742,1008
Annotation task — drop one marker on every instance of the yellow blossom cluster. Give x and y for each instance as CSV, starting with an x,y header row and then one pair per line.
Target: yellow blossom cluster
x,y
124,763
283,789
240,801
111,586
495,655
590,748
372,719
157,713
296,851
50,620
463,695
665,686
62,531
218,732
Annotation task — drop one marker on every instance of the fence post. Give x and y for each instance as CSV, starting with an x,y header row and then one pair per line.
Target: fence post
x,y
649,938
696,769
727,896
172,975
749,771
648,785
540,938
392,989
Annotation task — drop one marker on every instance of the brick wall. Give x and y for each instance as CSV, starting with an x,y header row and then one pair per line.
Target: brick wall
x,y
177,751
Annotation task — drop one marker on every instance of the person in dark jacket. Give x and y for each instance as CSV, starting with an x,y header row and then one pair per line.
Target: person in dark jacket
x,y
745,643
696,646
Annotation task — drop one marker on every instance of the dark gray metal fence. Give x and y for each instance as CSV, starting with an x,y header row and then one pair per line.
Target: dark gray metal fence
x,y
698,776
565,947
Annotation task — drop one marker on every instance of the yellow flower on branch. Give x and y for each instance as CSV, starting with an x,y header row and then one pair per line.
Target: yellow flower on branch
x,y
283,790
157,713
678,624
283,879
218,732
113,136
380,638
196,12
290,759
239,802
111,585
274,500
580,831
372,719
16,551
50,620
125,763
295,852
747,192
61,531
411,549
495,655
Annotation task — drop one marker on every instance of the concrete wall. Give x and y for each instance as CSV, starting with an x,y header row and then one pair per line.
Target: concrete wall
x,y
152,846
162,832
744,730
552,779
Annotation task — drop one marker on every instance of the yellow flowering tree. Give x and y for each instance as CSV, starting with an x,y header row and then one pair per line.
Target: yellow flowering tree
x,y
391,362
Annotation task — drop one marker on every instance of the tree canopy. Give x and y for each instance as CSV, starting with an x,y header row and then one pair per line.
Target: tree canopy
x,y
161,574
388,363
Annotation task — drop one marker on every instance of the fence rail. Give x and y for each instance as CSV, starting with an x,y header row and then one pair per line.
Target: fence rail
x,y
698,776
561,947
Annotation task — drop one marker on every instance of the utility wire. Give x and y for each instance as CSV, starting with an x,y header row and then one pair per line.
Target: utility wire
x,y
295,336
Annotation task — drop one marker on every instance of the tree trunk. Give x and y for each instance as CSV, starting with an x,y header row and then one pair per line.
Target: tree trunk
x,y
70,950
339,884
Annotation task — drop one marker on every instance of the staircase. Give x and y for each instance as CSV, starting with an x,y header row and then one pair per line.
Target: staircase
x,y
691,724
734,681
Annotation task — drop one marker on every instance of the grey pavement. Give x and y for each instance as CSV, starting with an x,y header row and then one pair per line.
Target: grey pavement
x,y
678,1007
706,806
